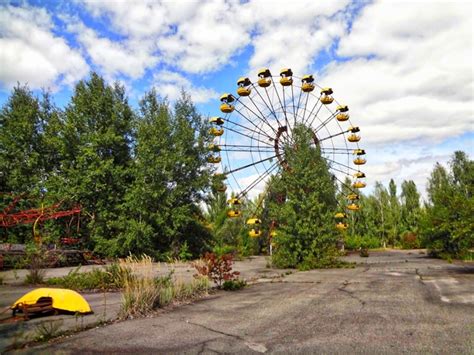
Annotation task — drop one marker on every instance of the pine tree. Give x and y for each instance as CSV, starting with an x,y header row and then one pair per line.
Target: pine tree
x,y
306,235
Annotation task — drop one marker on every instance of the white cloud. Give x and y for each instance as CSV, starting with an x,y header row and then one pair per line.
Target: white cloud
x,y
130,58
31,53
169,84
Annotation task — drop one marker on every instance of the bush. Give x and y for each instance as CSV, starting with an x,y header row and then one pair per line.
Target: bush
x,y
233,285
409,240
216,268
109,278
365,242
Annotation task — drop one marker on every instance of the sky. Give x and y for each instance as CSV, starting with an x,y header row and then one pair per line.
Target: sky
x,y
405,68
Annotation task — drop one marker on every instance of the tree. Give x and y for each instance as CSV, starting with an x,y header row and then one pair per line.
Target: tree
x,y
410,206
170,172
20,142
448,226
306,235
95,166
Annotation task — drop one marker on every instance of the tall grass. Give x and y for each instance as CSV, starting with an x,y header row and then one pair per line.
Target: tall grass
x,y
143,293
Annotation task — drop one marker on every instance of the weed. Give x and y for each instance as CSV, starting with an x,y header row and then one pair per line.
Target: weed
x,y
233,285
48,330
143,292
109,278
217,268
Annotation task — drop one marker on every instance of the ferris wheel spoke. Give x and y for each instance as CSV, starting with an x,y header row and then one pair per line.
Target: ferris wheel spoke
x,y
258,180
251,164
341,164
347,186
311,112
264,133
325,122
305,105
243,134
282,105
271,111
261,116
298,106
316,114
332,136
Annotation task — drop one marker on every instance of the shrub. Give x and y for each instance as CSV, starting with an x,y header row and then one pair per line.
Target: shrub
x,y
216,268
233,285
365,242
109,278
409,240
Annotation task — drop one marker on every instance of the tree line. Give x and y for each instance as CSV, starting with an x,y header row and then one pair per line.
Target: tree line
x,y
144,185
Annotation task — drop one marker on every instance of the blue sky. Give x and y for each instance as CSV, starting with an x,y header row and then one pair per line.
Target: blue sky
x,y
404,68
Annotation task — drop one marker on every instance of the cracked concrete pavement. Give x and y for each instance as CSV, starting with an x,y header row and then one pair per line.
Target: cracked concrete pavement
x,y
392,302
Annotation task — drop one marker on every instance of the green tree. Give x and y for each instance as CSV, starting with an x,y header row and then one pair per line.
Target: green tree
x,y
410,206
448,226
306,236
96,159
170,177
20,143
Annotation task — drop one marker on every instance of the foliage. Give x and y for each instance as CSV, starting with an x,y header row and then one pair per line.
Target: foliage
x,y
143,292
45,331
36,262
109,278
356,242
306,234
448,225
234,285
216,268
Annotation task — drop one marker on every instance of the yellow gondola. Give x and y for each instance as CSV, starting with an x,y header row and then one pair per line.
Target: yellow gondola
x,y
255,233
352,197
265,78
234,201
307,83
227,108
244,89
341,117
216,132
359,184
342,108
359,175
217,121
233,213
326,97
252,221
359,161
354,129
226,99
353,207
214,160
342,226
340,215
359,152
214,148
286,77
353,138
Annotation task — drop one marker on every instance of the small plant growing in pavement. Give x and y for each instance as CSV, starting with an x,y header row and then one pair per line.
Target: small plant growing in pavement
x,y
234,285
216,268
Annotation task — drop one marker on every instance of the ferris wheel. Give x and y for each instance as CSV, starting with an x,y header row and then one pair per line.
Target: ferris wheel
x,y
258,122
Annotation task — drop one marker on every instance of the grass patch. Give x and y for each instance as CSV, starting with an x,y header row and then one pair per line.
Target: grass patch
x,y
109,278
143,293
234,285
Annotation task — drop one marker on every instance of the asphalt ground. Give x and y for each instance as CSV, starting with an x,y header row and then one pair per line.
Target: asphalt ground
x,y
392,302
